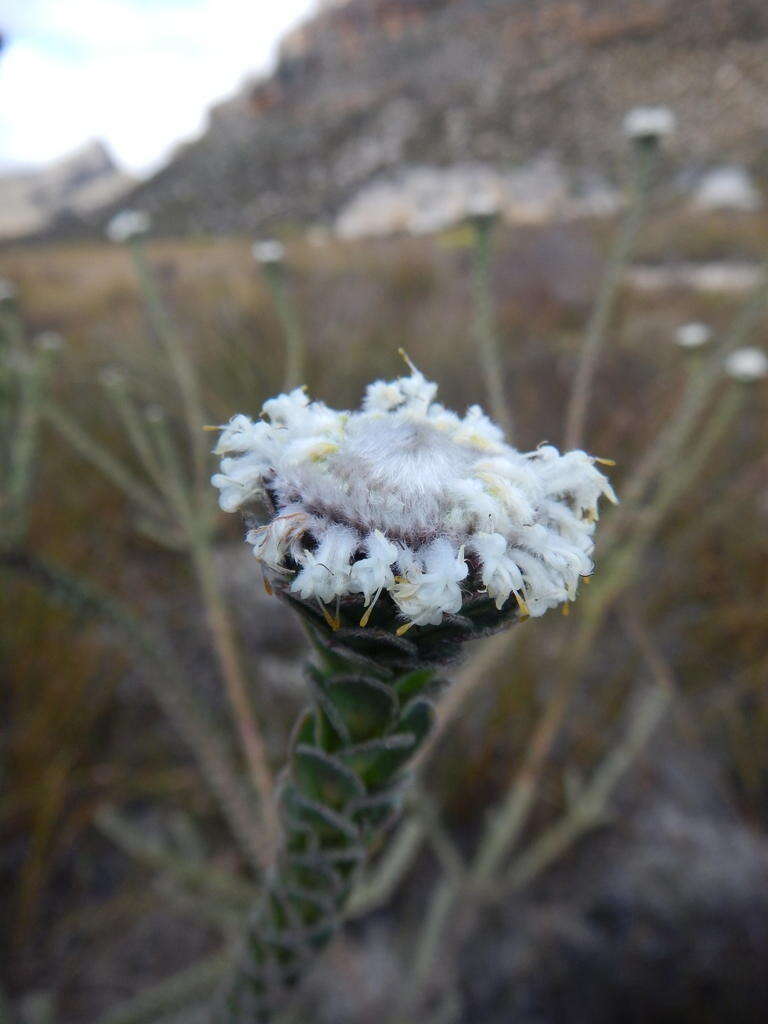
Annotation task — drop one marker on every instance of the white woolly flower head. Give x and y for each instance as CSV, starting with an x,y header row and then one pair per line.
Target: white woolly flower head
x,y
128,224
649,124
747,364
693,335
408,509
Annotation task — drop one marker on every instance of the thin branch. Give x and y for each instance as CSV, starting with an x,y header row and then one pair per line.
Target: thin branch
x,y
589,810
187,987
576,415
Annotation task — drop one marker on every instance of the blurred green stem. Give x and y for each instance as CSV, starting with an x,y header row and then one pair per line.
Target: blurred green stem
x,y
22,445
667,448
201,876
188,987
453,897
222,632
249,731
181,365
190,511
507,823
95,453
590,807
484,325
645,156
165,684
276,276
136,432
376,888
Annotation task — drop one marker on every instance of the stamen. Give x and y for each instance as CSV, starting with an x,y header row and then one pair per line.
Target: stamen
x,y
369,609
333,623
567,609
403,629
524,610
210,426
407,360
605,462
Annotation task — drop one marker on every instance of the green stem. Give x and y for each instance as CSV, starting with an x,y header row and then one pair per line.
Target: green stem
x,y
23,444
197,876
349,753
136,431
376,889
576,416
293,339
484,325
236,683
102,459
443,903
181,365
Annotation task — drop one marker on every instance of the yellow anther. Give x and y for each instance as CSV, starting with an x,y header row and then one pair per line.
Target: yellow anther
x,y
367,614
321,450
606,462
403,629
210,426
524,610
566,609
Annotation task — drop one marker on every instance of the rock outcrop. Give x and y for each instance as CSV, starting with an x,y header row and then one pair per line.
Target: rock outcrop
x,y
373,93
77,186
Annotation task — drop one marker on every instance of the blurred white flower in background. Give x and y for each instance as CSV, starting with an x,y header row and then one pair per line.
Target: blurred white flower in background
x,y
407,497
649,123
747,364
693,334
128,224
268,251
484,205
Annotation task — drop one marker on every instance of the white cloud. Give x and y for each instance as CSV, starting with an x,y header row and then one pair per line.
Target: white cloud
x,y
138,73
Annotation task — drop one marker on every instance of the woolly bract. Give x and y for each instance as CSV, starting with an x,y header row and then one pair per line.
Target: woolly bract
x,y
407,497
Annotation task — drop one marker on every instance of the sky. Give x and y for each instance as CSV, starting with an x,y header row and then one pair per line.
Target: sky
x,y
138,74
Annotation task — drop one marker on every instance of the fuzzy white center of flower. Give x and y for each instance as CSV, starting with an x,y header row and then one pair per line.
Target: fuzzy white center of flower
x,y
405,496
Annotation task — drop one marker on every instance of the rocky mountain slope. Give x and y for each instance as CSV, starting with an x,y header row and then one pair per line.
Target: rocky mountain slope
x,y
76,186
368,88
